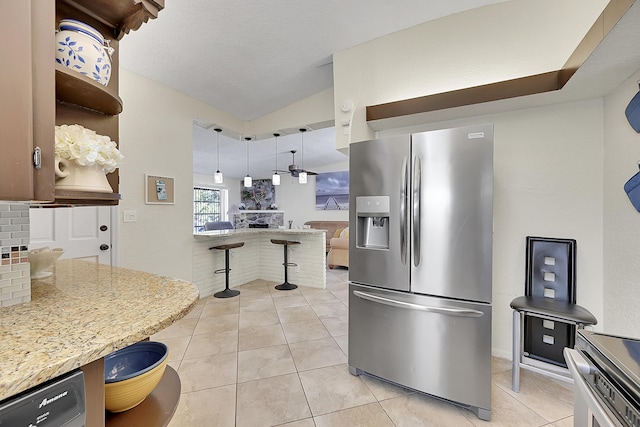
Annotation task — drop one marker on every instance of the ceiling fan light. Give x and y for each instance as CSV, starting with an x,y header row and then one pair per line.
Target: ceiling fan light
x,y
302,178
217,177
248,182
275,179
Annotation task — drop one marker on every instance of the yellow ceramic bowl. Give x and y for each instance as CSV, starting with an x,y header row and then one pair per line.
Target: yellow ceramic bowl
x,y
142,368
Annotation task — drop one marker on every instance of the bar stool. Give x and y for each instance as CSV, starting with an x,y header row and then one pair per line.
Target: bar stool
x,y
286,286
226,293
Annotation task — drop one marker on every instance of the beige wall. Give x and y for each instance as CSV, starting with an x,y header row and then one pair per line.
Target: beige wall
x,y
621,220
485,45
547,182
316,110
156,138
156,129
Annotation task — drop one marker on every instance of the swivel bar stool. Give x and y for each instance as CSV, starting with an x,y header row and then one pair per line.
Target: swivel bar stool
x,y
226,293
286,286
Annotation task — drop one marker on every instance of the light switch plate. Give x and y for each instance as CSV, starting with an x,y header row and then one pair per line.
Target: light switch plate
x,y
130,216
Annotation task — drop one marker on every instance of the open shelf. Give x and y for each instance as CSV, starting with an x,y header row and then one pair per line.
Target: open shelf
x,y
86,197
75,88
156,410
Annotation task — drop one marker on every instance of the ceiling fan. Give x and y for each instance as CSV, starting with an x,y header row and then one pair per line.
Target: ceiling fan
x,y
294,170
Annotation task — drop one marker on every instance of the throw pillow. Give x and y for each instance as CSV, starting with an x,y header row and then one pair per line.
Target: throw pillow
x,y
344,234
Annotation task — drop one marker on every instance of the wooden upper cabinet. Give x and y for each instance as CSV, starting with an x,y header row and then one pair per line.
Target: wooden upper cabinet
x,y
27,99
43,47
36,93
15,85
121,15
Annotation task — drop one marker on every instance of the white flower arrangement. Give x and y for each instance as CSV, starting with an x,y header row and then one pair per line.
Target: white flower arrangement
x,y
86,147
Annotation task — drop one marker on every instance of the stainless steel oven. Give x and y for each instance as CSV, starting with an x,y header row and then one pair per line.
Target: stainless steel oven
x,y
606,373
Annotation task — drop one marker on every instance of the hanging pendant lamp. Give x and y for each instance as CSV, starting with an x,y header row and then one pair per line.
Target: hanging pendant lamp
x,y
302,176
247,179
275,178
217,177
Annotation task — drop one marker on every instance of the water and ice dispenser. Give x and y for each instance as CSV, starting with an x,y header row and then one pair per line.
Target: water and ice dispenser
x,y
372,228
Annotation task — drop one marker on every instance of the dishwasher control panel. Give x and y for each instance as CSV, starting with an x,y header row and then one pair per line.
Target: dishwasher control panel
x,y
58,402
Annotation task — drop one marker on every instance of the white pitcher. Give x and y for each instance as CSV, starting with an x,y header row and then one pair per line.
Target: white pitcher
x,y
72,176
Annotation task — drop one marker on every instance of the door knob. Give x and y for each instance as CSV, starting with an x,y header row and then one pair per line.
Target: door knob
x,y
104,247
103,228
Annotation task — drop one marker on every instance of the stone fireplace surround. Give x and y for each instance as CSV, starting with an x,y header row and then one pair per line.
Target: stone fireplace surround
x,y
273,219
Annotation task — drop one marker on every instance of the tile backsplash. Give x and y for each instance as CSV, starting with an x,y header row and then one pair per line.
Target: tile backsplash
x,y
15,282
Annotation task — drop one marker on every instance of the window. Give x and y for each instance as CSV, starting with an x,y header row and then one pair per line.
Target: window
x,y
208,206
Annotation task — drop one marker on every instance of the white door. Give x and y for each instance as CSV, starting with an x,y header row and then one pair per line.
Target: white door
x,y
83,232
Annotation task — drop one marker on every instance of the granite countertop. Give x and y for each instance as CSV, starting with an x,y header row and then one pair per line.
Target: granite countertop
x,y
80,314
213,233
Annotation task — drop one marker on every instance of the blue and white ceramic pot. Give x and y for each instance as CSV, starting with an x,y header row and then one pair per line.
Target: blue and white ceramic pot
x,y
82,48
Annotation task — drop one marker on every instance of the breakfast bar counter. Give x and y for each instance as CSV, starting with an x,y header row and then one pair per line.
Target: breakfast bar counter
x,y
259,258
80,314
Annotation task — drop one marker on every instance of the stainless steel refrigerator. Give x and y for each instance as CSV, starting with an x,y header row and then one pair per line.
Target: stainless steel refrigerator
x,y
421,221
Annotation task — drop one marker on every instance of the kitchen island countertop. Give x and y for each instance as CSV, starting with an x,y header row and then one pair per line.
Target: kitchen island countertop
x,y
250,231
259,258
80,314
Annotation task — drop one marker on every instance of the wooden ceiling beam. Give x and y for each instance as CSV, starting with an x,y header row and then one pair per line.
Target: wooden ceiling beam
x,y
528,85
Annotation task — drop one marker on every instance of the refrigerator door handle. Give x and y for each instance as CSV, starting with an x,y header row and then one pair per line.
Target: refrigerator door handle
x,y
402,304
403,212
415,225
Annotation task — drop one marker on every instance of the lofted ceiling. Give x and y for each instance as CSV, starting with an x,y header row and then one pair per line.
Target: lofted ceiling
x,y
252,58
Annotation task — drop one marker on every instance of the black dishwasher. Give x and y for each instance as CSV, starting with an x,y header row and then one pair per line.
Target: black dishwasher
x,y
56,403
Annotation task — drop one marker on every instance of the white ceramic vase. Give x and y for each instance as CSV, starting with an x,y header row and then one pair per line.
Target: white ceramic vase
x,y
72,176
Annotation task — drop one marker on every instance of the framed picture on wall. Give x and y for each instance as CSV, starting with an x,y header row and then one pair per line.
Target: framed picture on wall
x,y
332,191
158,190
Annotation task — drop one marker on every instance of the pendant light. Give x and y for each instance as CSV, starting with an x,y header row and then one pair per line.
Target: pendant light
x,y
217,177
302,176
275,178
247,179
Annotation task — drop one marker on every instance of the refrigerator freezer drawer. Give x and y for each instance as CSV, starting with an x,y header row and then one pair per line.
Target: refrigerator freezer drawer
x,y
434,345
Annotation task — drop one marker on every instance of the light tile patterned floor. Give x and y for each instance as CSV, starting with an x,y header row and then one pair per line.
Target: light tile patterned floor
x,y
272,358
